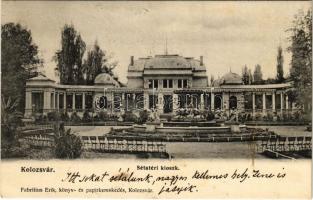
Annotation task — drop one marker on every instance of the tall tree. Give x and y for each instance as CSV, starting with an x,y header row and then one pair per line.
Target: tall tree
x,y
301,60
19,62
212,80
245,75
257,75
280,67
69,58
251,80
94,63
97,62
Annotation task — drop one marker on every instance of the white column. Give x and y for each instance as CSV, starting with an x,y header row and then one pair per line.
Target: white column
x,y
134,100
264,103
57,101
273,102
54,102
28,102
201,101
160,102
146,100
253,104
47,101
287,102
123,102
112,102
84,101
175,102
73,103
281,102
212,101
64,101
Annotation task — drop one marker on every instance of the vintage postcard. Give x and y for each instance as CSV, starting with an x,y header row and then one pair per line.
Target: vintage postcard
x,y
148,99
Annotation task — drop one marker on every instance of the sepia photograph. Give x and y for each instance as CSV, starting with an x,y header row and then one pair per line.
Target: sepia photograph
x,y
141,81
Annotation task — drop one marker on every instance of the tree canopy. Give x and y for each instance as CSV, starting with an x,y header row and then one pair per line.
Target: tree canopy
x,y
245,75
257,75
69,57
301,60
280,66
97,62
19,61
93,64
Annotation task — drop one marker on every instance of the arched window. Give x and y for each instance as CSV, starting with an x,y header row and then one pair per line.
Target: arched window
x,y
232,102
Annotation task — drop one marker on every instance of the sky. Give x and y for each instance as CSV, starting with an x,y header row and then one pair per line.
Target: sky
x,y
229,35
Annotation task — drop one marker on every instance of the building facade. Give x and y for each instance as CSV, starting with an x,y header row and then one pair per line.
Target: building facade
x,y
163,83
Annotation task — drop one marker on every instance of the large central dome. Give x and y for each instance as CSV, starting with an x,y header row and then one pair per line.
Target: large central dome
x,y
105,79
229,79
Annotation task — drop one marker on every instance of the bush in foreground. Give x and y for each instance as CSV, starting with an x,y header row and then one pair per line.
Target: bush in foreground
x,y
143,116
130,117
68,145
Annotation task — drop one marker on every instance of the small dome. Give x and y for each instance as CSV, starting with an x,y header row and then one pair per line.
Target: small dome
x,y
228,79
231,79
105,79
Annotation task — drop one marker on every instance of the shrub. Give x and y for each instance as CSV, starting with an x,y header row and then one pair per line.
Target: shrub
x,y
169,118
297,116
75,117
65,117
114,117
96,118
285,117
130,117
68,145
143,116
270,116
86,117
53,116
210,116
38,118
258,116
242,117
103,116
249,117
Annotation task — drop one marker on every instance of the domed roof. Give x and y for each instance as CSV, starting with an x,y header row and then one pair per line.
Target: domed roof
x,y
231,79
228,79
105,79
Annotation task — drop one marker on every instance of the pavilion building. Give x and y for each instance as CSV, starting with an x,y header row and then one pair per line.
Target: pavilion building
x,y
164,83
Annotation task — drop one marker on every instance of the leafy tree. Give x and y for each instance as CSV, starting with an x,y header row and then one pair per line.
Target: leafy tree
x,y
69,58
19,61
10,120
257,75
245,75
301,60
93,64
251,80
97,62
280,63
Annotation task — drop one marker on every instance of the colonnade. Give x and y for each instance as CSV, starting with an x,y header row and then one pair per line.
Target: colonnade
x,y
52,100
273,94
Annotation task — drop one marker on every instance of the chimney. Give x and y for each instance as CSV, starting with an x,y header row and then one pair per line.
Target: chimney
x,y
132,60
201,60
